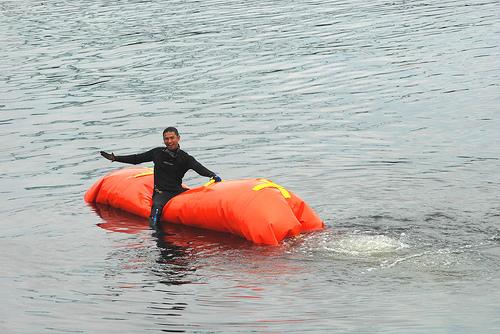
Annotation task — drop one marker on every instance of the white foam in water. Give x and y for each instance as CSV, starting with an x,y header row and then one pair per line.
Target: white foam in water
x,y
366,245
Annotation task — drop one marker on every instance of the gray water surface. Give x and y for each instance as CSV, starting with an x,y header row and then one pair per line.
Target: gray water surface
x,y
383,116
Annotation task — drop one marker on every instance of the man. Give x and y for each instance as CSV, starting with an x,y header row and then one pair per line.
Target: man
x,y
170,165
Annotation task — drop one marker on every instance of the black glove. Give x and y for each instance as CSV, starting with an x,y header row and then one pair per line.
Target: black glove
x,y
108,155
216,178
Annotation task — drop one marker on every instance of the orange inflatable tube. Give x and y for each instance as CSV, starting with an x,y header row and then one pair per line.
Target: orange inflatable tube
x,y
255,209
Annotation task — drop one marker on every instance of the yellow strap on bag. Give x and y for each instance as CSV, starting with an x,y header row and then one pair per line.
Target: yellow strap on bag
x,y
149,172
209,183
269,184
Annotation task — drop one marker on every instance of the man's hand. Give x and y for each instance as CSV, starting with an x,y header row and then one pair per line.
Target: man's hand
x,y
109,156
216,178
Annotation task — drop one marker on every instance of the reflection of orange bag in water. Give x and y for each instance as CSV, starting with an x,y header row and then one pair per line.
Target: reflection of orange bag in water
x,y
256,209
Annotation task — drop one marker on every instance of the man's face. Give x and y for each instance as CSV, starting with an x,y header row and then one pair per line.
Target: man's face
x,y
171,140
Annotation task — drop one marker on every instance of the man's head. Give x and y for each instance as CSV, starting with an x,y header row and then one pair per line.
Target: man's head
x,y
171,138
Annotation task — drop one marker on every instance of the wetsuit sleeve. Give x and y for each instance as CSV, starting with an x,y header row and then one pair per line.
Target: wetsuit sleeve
x,y
199,168
136,158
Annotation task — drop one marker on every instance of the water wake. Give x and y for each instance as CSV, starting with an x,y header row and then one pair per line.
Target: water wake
x,y
364,245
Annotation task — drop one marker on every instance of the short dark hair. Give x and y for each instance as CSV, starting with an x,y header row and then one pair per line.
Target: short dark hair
x,y
171,129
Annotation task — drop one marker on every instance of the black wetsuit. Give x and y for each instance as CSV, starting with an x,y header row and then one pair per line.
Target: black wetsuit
x,y
169,169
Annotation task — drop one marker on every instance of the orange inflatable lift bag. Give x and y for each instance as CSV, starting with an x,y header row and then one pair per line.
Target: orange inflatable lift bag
x,y
256,209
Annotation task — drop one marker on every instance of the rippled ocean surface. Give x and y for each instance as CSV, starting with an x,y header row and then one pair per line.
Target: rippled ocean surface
x,y
384,116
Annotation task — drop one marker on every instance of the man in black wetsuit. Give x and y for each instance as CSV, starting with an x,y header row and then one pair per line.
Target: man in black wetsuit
x,y
170,165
